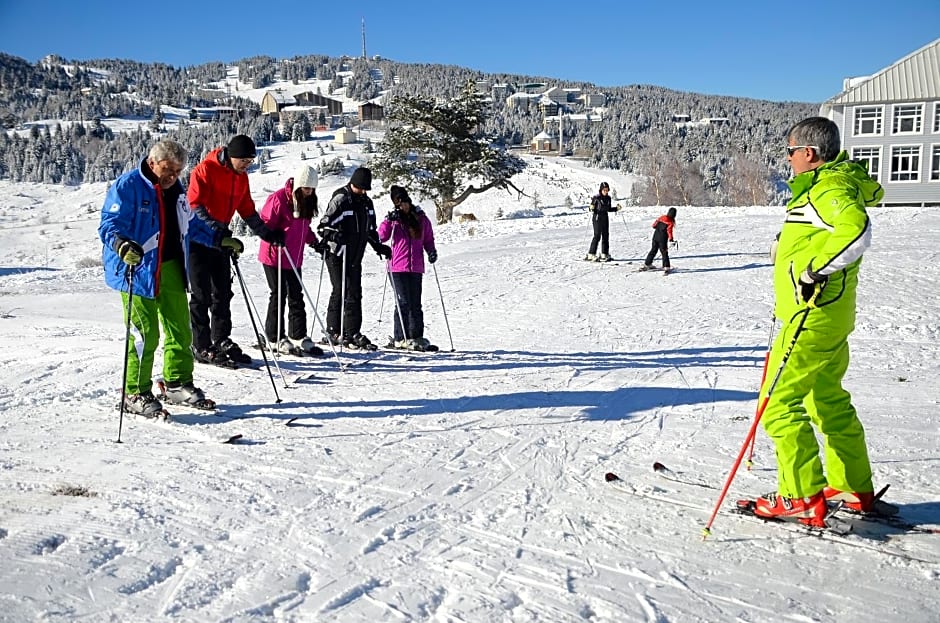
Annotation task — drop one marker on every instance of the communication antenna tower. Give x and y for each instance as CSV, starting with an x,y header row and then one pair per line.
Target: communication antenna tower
x,y
363,38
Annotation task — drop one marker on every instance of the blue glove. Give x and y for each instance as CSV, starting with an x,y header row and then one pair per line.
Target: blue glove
x,y
432,255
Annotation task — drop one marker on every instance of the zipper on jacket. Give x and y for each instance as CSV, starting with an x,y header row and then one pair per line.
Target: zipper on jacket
x,y
162,218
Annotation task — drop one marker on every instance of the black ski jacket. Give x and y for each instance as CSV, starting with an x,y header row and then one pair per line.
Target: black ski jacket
x,y
600,206
348,224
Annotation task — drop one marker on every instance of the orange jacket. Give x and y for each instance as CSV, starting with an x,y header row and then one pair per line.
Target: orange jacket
x,y
216,188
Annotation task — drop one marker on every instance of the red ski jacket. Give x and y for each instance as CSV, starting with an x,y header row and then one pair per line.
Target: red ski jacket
x,y
215,187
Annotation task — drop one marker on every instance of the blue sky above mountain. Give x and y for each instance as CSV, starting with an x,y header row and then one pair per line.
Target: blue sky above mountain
x,y
762,50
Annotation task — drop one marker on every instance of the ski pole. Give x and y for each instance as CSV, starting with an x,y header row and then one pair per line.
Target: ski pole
x,y
320,284
252,308
760,411
763,377
254,325
280,300
316,316
127,345
342,307
384,287
401,318
449,335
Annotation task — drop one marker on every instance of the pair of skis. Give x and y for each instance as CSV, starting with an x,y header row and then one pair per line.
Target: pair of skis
x,y
839,520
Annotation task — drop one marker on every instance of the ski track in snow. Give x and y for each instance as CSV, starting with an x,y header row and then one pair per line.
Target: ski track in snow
x,y
463,486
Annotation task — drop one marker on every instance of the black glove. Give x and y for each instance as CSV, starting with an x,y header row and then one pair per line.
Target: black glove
x,y
811,285
273,236
130,252
234,246
394,215
319,246
384,251
331,235
432,255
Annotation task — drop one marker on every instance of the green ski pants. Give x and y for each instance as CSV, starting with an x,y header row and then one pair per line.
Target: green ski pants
x,y
171,309
810,393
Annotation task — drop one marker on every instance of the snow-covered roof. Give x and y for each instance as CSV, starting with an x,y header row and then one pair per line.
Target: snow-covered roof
x,y
281,98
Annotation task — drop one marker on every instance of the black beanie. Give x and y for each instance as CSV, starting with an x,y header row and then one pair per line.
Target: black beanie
x,y
398,193
241,146
362,178
604,185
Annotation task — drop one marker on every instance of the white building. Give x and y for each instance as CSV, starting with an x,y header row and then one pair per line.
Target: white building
x,y
892,120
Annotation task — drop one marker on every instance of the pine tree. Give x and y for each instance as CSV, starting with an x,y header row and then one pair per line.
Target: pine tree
x,y
452,155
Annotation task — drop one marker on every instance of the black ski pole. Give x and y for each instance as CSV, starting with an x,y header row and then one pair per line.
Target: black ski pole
x,y
254,324
127,345
274,357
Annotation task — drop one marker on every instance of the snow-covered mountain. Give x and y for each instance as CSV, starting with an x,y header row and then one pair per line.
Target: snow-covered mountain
x,y
466,486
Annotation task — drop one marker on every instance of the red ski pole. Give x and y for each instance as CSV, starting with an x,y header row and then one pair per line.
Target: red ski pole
x,y
707,530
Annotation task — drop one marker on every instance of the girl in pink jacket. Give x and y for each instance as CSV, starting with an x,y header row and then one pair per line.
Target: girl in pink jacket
x,y
289,210
410,232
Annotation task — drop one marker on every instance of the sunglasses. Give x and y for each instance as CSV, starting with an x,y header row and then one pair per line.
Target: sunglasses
x,y
794,148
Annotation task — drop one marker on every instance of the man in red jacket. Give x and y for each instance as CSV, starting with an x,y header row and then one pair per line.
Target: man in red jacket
x,y
218,188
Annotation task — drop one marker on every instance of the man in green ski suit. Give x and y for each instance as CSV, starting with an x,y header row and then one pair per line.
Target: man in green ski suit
x,y
815,279
146,227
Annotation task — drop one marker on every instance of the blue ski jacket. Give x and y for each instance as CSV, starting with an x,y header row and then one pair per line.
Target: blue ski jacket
x,y
133,210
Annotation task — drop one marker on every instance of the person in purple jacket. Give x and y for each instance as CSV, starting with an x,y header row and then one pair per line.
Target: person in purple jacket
x,y
411,236
289,210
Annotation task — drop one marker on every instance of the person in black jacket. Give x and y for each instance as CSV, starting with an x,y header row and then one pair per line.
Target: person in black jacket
x,y
600,206
662,236
348,224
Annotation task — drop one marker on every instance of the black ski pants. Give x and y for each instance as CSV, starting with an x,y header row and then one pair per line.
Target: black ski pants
x,y
210,298
349,312
660,244
601,234
408,299
292,292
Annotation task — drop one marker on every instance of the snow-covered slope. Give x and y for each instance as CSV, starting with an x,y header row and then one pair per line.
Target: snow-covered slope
x,y
466,486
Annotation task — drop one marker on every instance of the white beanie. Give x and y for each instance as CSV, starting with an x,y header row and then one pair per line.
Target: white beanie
x,y
306,177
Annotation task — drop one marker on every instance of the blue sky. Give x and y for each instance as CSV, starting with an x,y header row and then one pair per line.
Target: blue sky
x,y
767,50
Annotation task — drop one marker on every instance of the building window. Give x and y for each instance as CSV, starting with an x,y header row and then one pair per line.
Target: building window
x,y
872,155
935,164
905,163
868,120
908,119
936,118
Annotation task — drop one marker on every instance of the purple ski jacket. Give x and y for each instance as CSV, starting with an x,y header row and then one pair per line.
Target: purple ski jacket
x,y
408,252
278,213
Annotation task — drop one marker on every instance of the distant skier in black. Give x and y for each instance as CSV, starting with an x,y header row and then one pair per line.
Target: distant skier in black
x,y
600,206
662,236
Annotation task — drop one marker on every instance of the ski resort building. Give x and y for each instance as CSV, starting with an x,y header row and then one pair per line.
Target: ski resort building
x,y
892,120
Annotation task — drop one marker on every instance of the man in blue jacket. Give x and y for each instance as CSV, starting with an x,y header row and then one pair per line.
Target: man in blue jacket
x,y
146,227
